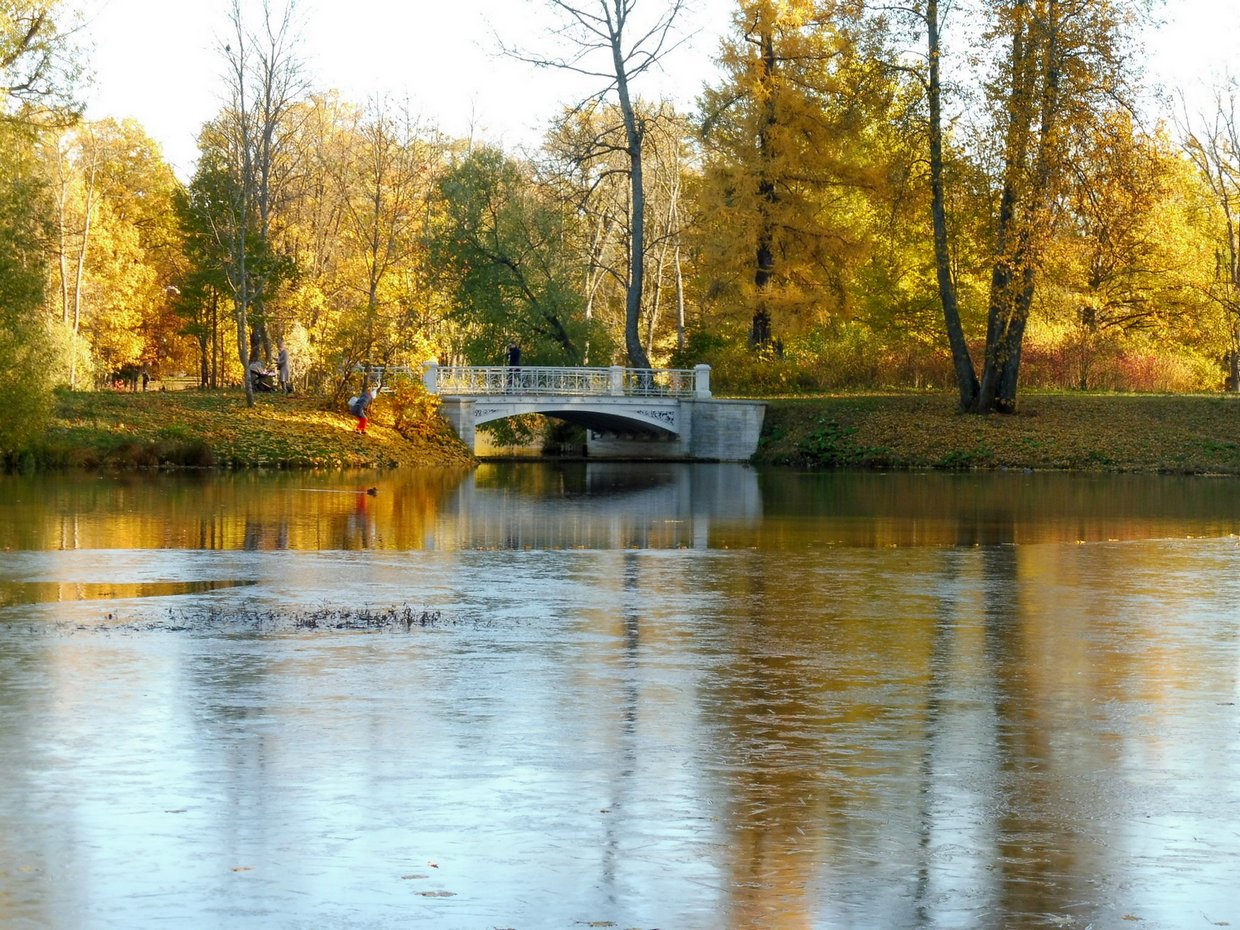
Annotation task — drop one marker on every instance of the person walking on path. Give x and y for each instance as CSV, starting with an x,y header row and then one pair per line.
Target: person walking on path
x,y
360,408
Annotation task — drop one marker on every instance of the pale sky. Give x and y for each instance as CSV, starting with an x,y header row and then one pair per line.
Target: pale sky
x,y
158,61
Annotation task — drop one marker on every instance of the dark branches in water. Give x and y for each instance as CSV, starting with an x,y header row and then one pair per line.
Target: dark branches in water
x,y
212,619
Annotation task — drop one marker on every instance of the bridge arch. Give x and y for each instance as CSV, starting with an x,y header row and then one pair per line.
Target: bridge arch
x,y
660,419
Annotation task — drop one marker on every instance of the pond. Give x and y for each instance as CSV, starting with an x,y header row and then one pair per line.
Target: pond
x,y
638,696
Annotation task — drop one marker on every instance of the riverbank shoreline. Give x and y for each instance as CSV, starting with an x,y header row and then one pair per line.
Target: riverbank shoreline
x,y
215,429
1177,434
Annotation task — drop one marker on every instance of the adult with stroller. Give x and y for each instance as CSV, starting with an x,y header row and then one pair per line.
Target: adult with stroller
x,y
284,369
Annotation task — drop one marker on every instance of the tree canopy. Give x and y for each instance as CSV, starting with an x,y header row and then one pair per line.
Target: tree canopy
x,y
855,201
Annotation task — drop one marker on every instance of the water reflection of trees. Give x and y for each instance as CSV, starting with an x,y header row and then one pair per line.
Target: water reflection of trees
x,y
917,509
809,737
225,511
927,736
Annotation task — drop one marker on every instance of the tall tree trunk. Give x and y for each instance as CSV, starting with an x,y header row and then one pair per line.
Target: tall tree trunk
x,y
1011,279
764,263
80,274
215,340
680,298
62,231
962,362
1025,204
637,223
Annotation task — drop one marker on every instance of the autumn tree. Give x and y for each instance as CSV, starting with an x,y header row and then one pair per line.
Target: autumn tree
x,y
381,193
202,289
498,247
25,376
37,78
1063,67
586,160
1120,268
615,42
39,63
265,82
788,167
353,222
1212,141
115,246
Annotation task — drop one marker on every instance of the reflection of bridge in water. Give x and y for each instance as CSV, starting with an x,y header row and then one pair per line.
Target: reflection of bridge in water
x,y
628,413
597,506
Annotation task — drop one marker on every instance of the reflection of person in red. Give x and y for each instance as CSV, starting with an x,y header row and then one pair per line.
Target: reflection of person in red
x,y
360,523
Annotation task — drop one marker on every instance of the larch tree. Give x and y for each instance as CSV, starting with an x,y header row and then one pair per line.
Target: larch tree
x,y
786,158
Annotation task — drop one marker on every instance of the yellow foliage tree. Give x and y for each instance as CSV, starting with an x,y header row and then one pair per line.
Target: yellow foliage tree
x,y
783,198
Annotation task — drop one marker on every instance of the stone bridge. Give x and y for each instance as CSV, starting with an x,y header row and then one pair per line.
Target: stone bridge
x,y
659,413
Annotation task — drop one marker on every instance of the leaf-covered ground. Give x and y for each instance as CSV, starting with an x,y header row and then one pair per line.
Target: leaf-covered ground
x,y
1197,434
215,428
1184,434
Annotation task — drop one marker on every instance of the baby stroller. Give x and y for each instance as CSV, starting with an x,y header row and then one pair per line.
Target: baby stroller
x,y
262,380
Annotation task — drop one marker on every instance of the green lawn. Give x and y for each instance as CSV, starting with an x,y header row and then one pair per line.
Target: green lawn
x,y
1197,434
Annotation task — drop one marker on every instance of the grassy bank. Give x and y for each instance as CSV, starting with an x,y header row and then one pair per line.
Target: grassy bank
x,y
1182,434
1197,434
216,429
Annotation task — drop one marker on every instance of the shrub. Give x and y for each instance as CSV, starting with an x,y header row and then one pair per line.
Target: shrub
x,y
416,413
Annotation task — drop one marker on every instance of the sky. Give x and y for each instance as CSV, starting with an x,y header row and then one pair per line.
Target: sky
x,y
158,61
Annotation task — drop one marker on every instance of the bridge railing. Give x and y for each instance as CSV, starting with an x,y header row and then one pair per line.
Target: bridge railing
x,y
615,381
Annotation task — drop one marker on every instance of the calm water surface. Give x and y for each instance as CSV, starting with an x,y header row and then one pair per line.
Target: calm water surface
x,y
675,697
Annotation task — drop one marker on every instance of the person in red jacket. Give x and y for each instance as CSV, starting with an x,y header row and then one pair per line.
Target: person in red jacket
x,y
360,407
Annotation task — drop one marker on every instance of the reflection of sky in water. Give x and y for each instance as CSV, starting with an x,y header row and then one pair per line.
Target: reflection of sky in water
x,y
776,734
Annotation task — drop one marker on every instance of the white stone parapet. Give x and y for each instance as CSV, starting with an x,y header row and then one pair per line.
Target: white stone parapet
x,y
614,381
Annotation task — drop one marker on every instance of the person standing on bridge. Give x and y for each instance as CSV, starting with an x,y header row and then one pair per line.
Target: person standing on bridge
x,y
514,366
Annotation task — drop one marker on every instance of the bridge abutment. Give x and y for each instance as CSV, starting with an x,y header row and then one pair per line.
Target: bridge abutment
x,y
710,430
459,411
